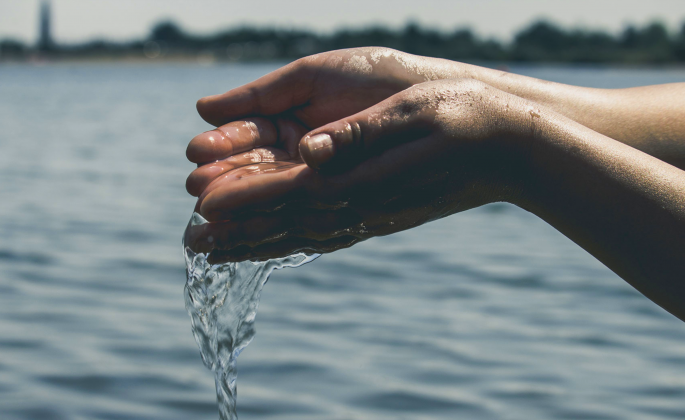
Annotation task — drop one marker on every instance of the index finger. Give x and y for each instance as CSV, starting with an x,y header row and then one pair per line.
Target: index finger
x,y
278,91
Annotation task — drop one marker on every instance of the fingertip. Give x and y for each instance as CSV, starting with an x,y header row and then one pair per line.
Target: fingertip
x,y
191,186
203,106
208,146
190,151
210,110
204,209
212,207
317,150
197,182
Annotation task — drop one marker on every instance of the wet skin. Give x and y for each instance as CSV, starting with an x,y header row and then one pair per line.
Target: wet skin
x,y
386,150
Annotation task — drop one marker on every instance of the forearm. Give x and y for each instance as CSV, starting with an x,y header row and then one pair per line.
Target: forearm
x,y
650,118
623,206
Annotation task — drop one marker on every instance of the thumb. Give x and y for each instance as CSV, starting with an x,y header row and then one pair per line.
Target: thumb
x,y
345,142
276,92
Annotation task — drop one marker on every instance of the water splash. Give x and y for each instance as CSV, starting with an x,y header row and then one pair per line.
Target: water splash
x,y
222,301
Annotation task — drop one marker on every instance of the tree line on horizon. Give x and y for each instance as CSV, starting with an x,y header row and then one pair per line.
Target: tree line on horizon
x,y
542,41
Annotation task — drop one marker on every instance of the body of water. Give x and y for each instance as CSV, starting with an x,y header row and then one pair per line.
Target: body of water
x,y
489,314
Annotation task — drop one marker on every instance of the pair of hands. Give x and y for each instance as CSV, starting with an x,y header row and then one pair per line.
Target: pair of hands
x,y
342,146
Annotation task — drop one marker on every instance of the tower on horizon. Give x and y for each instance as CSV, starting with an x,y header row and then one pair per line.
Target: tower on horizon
x,y
45,42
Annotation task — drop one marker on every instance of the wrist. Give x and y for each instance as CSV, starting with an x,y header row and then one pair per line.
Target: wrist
x,y
515,151
544,148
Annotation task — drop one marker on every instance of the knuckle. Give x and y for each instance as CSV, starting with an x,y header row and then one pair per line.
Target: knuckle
x,y
385,51
467,84
256,100
408,108
306,66
356,135
299,64
412,102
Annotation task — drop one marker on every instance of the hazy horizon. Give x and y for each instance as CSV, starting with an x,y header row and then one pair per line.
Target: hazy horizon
x,y
80,20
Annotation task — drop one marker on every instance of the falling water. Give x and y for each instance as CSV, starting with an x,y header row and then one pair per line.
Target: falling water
x,y
222,301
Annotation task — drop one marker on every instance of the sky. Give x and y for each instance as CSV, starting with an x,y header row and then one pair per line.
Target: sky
x,y
79,20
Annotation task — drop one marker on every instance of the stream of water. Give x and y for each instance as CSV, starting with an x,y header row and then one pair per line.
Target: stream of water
x,y
222,301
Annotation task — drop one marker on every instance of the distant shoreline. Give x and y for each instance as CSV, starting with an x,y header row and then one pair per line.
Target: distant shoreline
x,y
541,42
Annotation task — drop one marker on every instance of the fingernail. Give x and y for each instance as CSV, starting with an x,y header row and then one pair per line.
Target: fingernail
x,y
319,149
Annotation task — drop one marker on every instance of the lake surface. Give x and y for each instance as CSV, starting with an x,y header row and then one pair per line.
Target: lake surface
x,y
489,314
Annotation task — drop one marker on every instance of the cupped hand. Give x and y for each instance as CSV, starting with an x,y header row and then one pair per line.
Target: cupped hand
x,y
318,89
429,151
263,121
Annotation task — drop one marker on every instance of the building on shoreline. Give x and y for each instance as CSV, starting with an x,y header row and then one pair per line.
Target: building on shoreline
x,y
45,41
